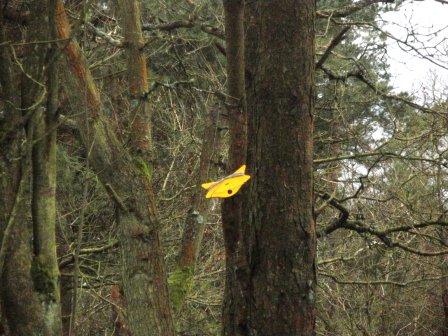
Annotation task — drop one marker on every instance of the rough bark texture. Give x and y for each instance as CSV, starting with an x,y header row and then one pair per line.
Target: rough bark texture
x,y
278,225
141,146
181,279
445,301
140,139
118,319
443,235
128,184
234,308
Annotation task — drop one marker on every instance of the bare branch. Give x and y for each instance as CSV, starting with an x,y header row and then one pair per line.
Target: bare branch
x,y
169,26
333,44
109,39
350,9
359,74
379,282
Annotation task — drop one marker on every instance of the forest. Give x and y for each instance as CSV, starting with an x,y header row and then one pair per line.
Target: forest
x,y
234,167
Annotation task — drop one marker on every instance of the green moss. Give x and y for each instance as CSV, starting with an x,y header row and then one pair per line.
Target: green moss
x,y
45,279
180,283
144,168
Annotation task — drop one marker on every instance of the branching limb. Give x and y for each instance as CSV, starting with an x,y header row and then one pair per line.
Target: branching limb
x,y
383,235
333,44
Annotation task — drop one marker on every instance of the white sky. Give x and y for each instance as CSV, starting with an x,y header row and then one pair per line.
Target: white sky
x,y
412,73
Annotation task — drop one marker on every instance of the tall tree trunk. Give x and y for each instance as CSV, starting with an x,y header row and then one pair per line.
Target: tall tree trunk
x,y
181,279
443,235
278,224
444,284
128,183
45,270
233,305
141,147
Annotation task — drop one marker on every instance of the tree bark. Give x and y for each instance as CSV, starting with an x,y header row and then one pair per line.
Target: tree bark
x,y
234,307
21,302
128,185
45,270
278,225
140,139
118,319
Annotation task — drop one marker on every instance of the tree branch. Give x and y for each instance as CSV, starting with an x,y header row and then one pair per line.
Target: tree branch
x,y
333,44
359,74
357,226
169,26
379,282
350,9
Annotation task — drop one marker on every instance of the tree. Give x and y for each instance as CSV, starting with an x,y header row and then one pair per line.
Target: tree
x,y
30,296
278,230
128,183
234,307
45,269
134,106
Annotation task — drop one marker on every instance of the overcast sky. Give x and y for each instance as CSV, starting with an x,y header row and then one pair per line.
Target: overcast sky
x,y
412,73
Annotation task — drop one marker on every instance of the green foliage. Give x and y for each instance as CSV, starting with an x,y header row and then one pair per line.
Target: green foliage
x,y
144,168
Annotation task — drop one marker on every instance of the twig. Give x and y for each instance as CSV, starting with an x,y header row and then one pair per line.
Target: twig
x,y
379,282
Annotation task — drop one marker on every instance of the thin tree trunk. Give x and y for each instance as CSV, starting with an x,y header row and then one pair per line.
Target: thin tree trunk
x,y
128,185
140,139
45,270
234,307
181,279
278,226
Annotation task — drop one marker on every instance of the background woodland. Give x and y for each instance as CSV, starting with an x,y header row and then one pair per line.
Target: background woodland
x,y
112,113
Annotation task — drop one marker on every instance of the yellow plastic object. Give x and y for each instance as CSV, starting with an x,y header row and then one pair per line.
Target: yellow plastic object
x,y
228,186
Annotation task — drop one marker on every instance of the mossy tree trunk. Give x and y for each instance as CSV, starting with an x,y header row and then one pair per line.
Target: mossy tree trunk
x,y
128,183
45,271
278,225
141,151
21,301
